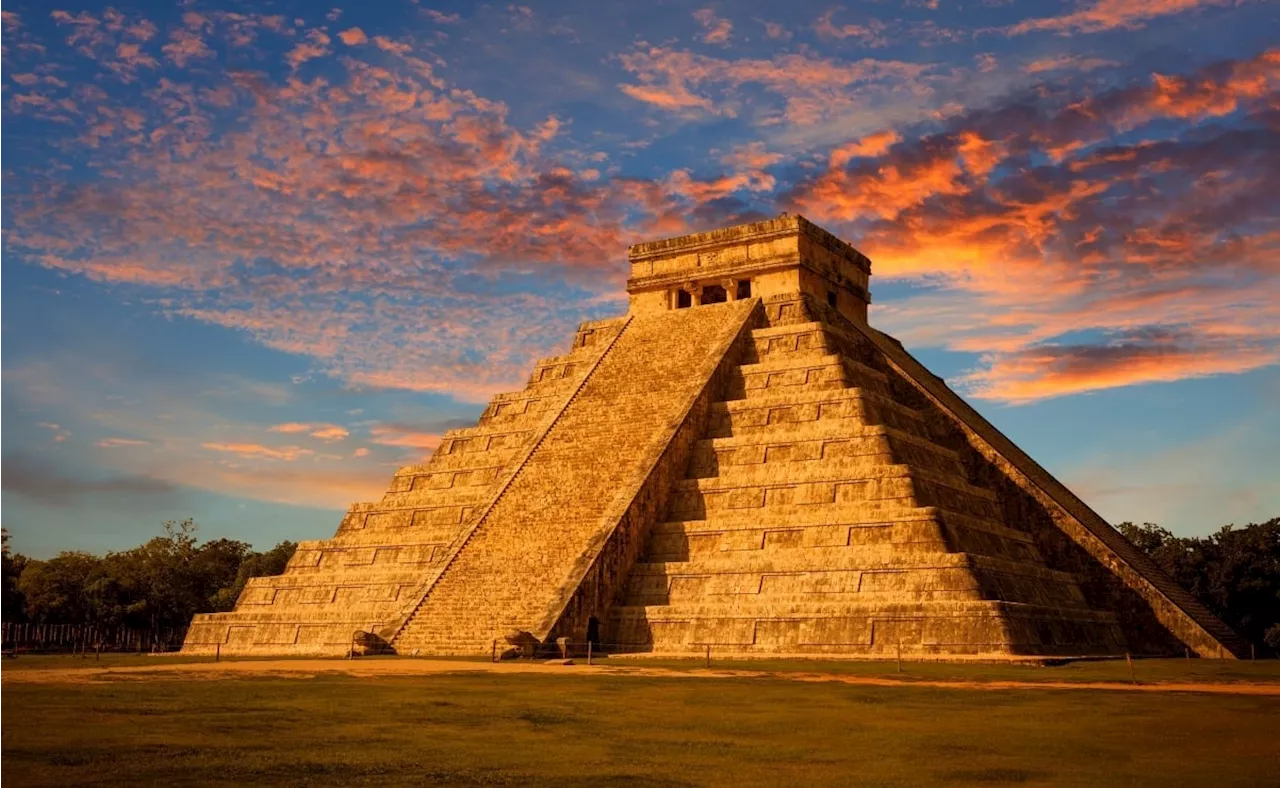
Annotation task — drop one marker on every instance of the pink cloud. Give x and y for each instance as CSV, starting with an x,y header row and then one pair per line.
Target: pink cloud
x,y
811,88
353,37
321,431
185,46
316,46
1102,15
249,450
1163,247
117,443
872,34
717,30
392,435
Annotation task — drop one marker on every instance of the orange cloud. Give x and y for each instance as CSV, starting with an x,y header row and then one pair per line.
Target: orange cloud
x,y
1102,15
1127,241
718,29
353,37
393,435
115,443
1056,371
287,453
1067,63
871,34
316,46
324,432
870,146
185,46
811,88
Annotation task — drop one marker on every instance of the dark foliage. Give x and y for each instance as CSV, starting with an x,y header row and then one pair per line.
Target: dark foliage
x,y
162,583
1235,572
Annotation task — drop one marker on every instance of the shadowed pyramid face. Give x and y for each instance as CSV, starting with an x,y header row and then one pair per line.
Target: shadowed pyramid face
x,y
740,462
777,257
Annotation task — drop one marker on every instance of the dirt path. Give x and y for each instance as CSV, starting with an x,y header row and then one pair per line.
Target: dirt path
x,y
308,668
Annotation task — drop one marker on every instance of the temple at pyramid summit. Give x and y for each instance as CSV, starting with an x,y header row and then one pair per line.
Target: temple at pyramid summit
x,y
740,462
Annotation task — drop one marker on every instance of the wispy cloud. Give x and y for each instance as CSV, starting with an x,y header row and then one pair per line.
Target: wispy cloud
x,y
716,29
810,88
35,478
1166,247
1100,15
322,431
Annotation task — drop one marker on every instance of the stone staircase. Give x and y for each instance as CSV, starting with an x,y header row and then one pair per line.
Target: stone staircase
x,y
363,578
523,560
818,518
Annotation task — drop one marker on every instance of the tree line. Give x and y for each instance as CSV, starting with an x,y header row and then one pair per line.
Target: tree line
x,y
161,584
1235,572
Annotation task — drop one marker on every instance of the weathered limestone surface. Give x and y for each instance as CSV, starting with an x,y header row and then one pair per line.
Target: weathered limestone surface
x,y
818,517
574,488
364,577
742,463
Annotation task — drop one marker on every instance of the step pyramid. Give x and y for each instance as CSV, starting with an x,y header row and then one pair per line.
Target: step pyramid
x,y
740,463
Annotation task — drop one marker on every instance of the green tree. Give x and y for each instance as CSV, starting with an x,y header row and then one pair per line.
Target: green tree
x,y
12,606
55,590
272,562
171,578
1235,572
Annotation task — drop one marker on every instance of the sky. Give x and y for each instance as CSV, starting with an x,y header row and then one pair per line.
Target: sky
x,y
258,255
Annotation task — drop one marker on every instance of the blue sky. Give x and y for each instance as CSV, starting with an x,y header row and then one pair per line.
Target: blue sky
x,y
258,255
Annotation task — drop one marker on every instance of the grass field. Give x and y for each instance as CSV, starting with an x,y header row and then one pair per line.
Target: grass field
x,y
581,728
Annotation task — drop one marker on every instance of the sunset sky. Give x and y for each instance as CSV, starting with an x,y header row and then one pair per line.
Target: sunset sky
x,y
258,255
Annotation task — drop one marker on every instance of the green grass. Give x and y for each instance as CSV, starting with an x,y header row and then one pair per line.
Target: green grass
x,y
600,730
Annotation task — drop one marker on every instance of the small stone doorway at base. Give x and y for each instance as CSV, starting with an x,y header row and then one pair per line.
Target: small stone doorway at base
x,y
593,633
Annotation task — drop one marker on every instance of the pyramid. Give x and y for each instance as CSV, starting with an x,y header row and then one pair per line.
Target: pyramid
x,y
742,463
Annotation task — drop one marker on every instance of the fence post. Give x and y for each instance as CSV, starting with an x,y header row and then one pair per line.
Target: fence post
x,y
708,655
1187,651
1132,675
1253,652
588,652
493,652
899,654
97,651
217,652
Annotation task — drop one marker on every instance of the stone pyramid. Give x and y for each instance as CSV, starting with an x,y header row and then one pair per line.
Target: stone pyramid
x,y
740,462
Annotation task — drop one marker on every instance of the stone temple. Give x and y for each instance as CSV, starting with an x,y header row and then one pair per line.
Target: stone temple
x,y
739,462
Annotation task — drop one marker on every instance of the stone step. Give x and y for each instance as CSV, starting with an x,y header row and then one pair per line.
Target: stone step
x,y
951,627
472,495
464,461
819,441
913,530
400,519
863,491
861,558
846,406
439,478
338,560
526,548
802,372
833,470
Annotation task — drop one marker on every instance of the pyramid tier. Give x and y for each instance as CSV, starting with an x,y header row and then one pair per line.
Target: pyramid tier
x,y
880,629
373,569
815,497
527,552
